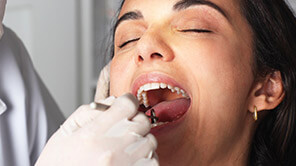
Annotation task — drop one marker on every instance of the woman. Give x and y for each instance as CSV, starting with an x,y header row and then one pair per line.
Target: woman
x,y
233,59
216,78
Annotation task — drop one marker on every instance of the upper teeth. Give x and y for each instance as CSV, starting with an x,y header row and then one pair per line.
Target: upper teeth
x,y
142,92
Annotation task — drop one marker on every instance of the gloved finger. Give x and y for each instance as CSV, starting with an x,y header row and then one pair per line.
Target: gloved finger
x,y
107,101
82,116
102,90
124,107
85,114
103,105
144,147
147,162
121,129
140,124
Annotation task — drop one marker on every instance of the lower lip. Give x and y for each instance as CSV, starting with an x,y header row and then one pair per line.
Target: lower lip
x,y
165,128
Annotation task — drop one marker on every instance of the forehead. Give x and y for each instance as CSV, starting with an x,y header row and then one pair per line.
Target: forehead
x,y
152,6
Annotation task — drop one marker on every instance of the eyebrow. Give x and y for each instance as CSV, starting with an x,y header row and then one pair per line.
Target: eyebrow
x,y
181,5
133,15
184,4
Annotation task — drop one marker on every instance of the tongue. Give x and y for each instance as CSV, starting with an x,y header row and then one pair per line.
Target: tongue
x,y
168,111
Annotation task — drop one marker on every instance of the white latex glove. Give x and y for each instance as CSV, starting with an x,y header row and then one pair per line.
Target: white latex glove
x,y
103,84
117,136
2,10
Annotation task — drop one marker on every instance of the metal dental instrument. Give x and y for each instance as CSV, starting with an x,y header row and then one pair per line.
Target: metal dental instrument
x,y
104,107
153,117
99,106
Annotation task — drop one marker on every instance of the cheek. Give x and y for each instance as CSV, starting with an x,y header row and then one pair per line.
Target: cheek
x,y
218,64
223,77
120,75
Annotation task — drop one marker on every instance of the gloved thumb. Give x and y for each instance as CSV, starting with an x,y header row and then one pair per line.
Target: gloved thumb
x,y
147,162
102,91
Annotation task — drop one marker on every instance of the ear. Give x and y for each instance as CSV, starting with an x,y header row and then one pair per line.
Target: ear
x,y
267,93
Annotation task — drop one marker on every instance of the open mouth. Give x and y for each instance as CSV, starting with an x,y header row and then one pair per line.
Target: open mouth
x,y
163,103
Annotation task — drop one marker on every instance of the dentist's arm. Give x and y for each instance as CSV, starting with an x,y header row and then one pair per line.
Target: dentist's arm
x,y
116,136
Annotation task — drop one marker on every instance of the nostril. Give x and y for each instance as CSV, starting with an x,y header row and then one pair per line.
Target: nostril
x,y
156,56
140,58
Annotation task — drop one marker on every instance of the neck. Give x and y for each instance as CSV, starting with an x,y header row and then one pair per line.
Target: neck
x,y
234,151
234,157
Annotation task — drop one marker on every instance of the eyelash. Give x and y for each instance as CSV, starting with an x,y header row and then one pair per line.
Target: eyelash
x,y
196,30
186,30
127,42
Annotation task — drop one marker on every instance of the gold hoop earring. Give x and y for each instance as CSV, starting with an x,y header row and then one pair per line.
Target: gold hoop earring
x,y
255,116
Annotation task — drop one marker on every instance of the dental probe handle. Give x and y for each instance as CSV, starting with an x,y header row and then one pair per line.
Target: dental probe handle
x,y
104,107
99,106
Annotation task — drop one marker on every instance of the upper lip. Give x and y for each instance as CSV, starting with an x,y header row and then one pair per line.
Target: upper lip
x,y
154,77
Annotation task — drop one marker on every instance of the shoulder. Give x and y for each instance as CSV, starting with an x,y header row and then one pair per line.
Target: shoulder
x,y
12,48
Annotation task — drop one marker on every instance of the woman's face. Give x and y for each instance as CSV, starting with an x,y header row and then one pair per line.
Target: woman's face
x,y
202,47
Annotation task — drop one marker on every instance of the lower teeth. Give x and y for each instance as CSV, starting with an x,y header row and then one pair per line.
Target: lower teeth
x,y
158,124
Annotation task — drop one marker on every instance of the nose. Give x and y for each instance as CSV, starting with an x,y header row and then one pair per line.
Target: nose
x,y
152,47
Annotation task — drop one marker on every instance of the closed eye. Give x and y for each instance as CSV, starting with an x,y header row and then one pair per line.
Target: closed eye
x,y
127,42
185,30
196,30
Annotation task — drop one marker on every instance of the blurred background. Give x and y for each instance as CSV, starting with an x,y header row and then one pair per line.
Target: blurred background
x,y
66,40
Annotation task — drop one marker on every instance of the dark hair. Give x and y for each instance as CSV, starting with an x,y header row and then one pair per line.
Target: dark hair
x,y
113,29
274,27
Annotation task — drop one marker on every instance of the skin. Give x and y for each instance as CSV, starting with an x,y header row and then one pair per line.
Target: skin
x,y
215,68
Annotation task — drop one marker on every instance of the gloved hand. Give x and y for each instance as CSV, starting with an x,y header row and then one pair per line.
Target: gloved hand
x,y
2,10
117,136
102,91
